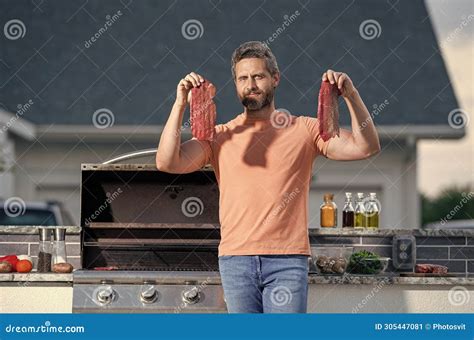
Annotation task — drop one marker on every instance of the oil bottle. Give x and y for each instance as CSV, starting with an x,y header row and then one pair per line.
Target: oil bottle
x,y
360,219
328,211
348,212
372,211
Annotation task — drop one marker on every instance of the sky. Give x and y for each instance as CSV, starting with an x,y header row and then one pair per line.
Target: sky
x,y
443,164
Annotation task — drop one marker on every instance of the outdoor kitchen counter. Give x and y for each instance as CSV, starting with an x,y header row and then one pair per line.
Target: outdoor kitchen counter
x,y
52,293
387,232
16,229
35,293
34,278
388,280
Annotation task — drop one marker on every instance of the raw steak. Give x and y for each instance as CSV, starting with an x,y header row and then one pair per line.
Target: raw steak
x,y
431,268
328,110
203,111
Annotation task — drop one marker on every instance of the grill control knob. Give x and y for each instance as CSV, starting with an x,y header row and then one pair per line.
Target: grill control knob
x,y
191,296
149,294
106,295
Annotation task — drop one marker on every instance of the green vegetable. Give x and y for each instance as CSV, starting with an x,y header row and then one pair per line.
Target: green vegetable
x,y
364,262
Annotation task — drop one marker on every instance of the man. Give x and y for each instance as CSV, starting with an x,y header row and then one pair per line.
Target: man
x,y
263,161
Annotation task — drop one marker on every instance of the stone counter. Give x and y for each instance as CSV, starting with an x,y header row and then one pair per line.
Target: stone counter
x,y
33,230
35,277
386,232
46,278
388,280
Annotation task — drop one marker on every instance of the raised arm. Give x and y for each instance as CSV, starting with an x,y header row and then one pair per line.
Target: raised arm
x,y
363,142
172,155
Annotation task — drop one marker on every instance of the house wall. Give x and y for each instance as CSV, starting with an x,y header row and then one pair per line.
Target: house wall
x,y
51,170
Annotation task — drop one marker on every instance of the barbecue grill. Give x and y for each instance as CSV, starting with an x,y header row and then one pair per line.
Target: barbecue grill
x,y
149,240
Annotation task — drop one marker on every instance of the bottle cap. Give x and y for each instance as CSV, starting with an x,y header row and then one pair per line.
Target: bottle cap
x,y
59,234
45,234
328,196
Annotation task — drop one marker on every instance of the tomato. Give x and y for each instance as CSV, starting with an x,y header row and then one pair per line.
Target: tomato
x,y
24,266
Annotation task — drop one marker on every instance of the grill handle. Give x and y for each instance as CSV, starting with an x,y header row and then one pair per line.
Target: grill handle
x,y
130,155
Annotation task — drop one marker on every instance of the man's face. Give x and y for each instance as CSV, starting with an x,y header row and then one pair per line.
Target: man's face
x,y
255,86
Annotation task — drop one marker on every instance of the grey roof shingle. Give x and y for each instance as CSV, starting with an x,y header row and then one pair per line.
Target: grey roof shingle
x,y
133,68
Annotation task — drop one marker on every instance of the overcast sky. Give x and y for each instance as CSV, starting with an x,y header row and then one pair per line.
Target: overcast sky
x,y
445,163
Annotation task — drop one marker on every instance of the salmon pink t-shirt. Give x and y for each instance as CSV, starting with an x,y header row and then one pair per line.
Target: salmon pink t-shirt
x,y
263,169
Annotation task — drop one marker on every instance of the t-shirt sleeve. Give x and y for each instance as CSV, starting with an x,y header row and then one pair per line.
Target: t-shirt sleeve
x,y
320,146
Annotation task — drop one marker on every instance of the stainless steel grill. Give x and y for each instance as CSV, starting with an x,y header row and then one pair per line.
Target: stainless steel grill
x,y
149,241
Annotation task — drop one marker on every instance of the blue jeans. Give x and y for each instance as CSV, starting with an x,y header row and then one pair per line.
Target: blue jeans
x,y
265,283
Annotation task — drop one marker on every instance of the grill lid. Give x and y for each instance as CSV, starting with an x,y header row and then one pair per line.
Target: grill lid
x,y
135,217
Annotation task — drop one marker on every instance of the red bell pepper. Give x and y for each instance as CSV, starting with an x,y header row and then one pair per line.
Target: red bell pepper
x,y
12,259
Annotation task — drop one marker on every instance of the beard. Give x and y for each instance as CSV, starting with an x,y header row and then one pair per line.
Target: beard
x,y
257,103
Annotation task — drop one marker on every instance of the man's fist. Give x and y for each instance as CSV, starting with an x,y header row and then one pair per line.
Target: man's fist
x,y
344,83
183,92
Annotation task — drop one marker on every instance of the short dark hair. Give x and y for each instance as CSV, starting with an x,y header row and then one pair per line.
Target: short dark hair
x,y
255,49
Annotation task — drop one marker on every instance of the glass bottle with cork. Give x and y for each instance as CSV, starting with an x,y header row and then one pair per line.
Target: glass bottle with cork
x,y
372,211
348,212
328,211
359,215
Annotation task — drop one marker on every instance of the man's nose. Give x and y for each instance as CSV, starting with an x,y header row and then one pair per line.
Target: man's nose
x,y
251,84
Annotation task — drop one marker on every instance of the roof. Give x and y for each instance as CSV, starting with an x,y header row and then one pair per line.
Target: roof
x,y
134,65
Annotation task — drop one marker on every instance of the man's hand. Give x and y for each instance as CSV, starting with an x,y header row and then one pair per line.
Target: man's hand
x,y
183,92
344,83
363,141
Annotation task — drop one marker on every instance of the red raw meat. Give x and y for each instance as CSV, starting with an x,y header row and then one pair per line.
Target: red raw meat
x,y
423,268
328,110
431,268
203,111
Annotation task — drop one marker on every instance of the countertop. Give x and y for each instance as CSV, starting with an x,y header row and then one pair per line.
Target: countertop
x,y
312,279
35,277
387,231
27,229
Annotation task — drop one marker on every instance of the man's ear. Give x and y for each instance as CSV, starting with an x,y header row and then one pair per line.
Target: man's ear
x,y
276,79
